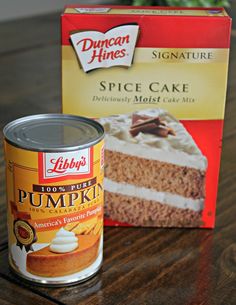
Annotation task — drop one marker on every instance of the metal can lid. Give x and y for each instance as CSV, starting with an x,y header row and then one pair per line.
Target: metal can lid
x,y
53,132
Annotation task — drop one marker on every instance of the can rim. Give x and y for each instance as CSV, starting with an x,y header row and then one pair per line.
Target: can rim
x,y
54,284
97,125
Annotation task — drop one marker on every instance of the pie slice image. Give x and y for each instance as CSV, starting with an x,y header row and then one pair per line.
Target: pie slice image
x,y
46,263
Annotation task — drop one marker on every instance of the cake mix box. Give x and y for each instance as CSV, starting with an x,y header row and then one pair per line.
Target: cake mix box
x,y
155,78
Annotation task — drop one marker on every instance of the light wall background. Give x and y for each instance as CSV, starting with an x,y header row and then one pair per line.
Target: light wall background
x,y
14,9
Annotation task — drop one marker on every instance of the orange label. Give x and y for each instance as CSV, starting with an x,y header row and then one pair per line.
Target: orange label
x,y
55,213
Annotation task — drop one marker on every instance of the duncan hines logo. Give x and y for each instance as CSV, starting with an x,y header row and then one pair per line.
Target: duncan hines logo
x,y
58,166
103,50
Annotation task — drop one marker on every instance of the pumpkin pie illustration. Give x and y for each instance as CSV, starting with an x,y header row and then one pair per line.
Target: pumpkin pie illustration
x,y
68,253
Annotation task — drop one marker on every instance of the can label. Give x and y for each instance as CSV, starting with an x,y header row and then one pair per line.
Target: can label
x,y
55,212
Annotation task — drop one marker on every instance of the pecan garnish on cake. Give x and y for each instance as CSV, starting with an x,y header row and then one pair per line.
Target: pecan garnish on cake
x,y
145,124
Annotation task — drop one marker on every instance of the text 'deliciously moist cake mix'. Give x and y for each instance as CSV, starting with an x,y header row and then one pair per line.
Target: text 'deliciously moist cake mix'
x,y
54,171
155,78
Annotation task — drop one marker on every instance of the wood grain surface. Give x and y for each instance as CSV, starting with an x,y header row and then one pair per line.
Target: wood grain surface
x,y
12,293
141,265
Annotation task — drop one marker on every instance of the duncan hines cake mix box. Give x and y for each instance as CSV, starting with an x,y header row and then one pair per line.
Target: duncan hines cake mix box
x,y
155,78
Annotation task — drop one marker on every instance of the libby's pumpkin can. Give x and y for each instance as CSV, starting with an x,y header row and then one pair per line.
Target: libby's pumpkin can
x,y
54,174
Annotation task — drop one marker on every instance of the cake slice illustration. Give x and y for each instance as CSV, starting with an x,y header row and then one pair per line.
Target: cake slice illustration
x,y
68,253
155,172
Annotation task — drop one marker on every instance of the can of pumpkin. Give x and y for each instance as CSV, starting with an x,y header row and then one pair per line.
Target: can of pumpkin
x,y
54,174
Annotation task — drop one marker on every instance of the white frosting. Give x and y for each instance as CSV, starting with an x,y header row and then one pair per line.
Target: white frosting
x,y
179,149
65,241
149,194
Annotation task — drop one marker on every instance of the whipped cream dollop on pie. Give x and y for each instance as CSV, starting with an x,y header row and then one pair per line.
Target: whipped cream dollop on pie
x,y
65,241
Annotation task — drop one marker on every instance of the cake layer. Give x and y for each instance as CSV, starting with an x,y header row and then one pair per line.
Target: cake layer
x,y
179,149
148,194
141,212
156,175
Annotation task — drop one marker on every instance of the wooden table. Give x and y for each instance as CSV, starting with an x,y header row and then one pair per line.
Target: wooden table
x,y
141,265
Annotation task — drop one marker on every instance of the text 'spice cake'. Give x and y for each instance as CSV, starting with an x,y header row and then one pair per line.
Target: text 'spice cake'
x,y
155,78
